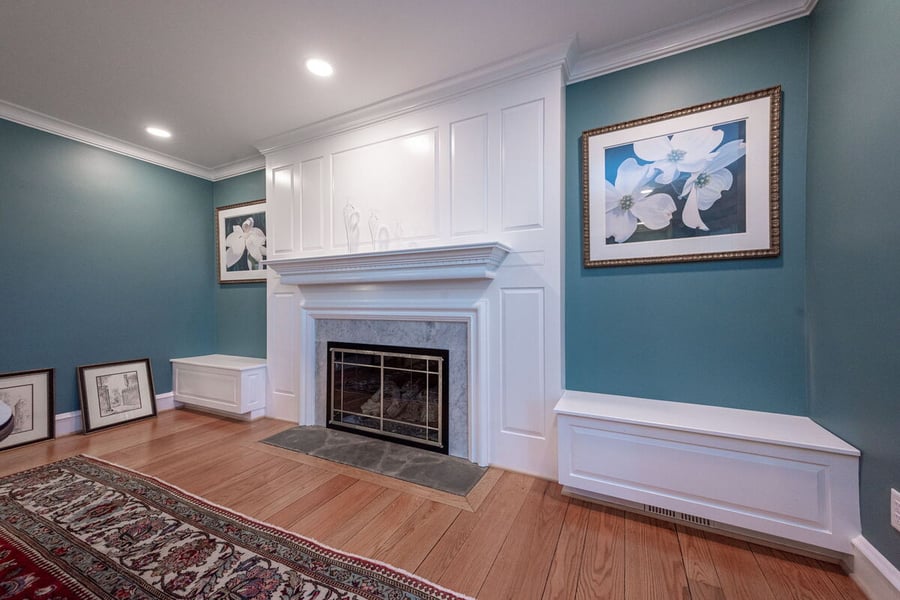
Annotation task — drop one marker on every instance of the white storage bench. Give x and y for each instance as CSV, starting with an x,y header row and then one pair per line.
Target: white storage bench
x,y
231,385
765,474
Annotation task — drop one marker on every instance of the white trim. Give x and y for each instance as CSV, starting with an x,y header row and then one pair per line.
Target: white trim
x,y
715,27
238,167
70,422
461,261
524,65
873,573
31,118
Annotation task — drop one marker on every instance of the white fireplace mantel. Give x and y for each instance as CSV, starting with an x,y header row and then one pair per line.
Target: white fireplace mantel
x,y
461,261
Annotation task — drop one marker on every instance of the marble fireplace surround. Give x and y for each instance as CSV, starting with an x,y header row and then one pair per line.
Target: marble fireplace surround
x,y
429,289
441,335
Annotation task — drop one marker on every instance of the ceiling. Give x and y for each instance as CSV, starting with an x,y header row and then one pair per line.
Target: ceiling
x,y
225,74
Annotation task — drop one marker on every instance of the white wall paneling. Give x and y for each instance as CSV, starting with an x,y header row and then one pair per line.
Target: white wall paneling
x,y
523,165
468,176
281,348
280,210
523,409
391,186
474,168
312,213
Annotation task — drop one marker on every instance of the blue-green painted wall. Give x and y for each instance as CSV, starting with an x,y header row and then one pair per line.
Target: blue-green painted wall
x,y
854,245
102,258
240,307
727,333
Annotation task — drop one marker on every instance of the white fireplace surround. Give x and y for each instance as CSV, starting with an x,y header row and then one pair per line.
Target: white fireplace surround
x,y
444,283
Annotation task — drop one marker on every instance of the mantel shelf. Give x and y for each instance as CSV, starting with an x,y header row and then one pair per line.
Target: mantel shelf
x,y
466,261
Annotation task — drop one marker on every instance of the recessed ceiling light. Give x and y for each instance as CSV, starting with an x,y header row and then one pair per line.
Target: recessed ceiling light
x,y
319,67
158,132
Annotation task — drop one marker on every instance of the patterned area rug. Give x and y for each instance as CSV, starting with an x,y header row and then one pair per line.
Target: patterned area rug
x,y
82,528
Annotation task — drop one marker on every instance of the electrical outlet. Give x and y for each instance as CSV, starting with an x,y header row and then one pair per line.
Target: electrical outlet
x,y
895,509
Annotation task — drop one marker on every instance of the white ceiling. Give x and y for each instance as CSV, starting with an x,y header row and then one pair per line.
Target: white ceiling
x,y
225,74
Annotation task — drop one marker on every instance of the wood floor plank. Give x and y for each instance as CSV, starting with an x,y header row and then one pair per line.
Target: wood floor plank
x,y
519,575
354,523
417,535
739,574
383,525
331,515
469,568
792,576
700,570
232,489
451,544
603,564
309,502
654,567
273,496
562,581
841,581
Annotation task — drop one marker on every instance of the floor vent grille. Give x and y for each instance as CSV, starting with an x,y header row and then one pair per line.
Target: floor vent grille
x,y
671,514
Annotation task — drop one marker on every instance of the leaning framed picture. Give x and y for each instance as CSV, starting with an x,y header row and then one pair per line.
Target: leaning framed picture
x,y
29,396
241,242
115,393
695,184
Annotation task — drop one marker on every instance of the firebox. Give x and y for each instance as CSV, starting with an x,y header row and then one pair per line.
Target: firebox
x,y
389,392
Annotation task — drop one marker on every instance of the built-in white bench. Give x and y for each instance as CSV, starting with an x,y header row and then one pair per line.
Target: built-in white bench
x,y
774,476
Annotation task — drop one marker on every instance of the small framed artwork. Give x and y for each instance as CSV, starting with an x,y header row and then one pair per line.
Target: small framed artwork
x,y
241,242
29,396
115,393
695,184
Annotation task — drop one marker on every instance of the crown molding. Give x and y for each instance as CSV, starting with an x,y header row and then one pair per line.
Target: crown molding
x,y
238,167
543,59
36,120
715,27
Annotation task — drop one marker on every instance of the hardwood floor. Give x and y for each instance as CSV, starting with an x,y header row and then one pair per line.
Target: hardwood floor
x,y
513,536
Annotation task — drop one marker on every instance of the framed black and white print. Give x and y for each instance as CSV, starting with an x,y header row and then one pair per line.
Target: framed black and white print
x,y
29,396
695,184
241,242
115,393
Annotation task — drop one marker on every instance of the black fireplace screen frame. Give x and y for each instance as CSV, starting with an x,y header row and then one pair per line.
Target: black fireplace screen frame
x,y
433,354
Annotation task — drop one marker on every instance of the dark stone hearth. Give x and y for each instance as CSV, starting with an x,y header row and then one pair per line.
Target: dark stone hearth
x,y
446,473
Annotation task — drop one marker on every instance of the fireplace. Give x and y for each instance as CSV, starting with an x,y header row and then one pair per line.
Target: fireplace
x,y
390,392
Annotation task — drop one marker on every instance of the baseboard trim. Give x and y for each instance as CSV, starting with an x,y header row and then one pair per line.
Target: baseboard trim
x,y
873,573
70,422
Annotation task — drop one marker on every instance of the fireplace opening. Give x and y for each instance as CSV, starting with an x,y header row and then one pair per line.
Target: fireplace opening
x,y
390,392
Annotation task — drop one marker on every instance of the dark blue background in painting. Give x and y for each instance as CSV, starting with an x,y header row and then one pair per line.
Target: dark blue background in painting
x,y
259,221
727,215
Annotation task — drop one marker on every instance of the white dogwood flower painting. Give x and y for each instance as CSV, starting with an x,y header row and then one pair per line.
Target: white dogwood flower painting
x,y
241,239
685,185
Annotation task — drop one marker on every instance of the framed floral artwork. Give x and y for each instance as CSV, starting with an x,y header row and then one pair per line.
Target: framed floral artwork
x,y
115,393
695,184
29,397
241,242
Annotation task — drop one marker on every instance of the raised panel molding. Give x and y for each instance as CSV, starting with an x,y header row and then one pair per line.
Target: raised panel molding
x,y
389,190
280,211
312,220
468,176
522,358
522,166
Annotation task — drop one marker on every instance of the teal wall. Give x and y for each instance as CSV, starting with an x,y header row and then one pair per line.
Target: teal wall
x,y
854,244
104,258
727,333
240,307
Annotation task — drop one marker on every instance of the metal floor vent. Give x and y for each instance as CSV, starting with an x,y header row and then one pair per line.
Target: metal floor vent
x,y
671,514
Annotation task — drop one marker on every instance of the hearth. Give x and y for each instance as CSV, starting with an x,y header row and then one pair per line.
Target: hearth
x,y
389,392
